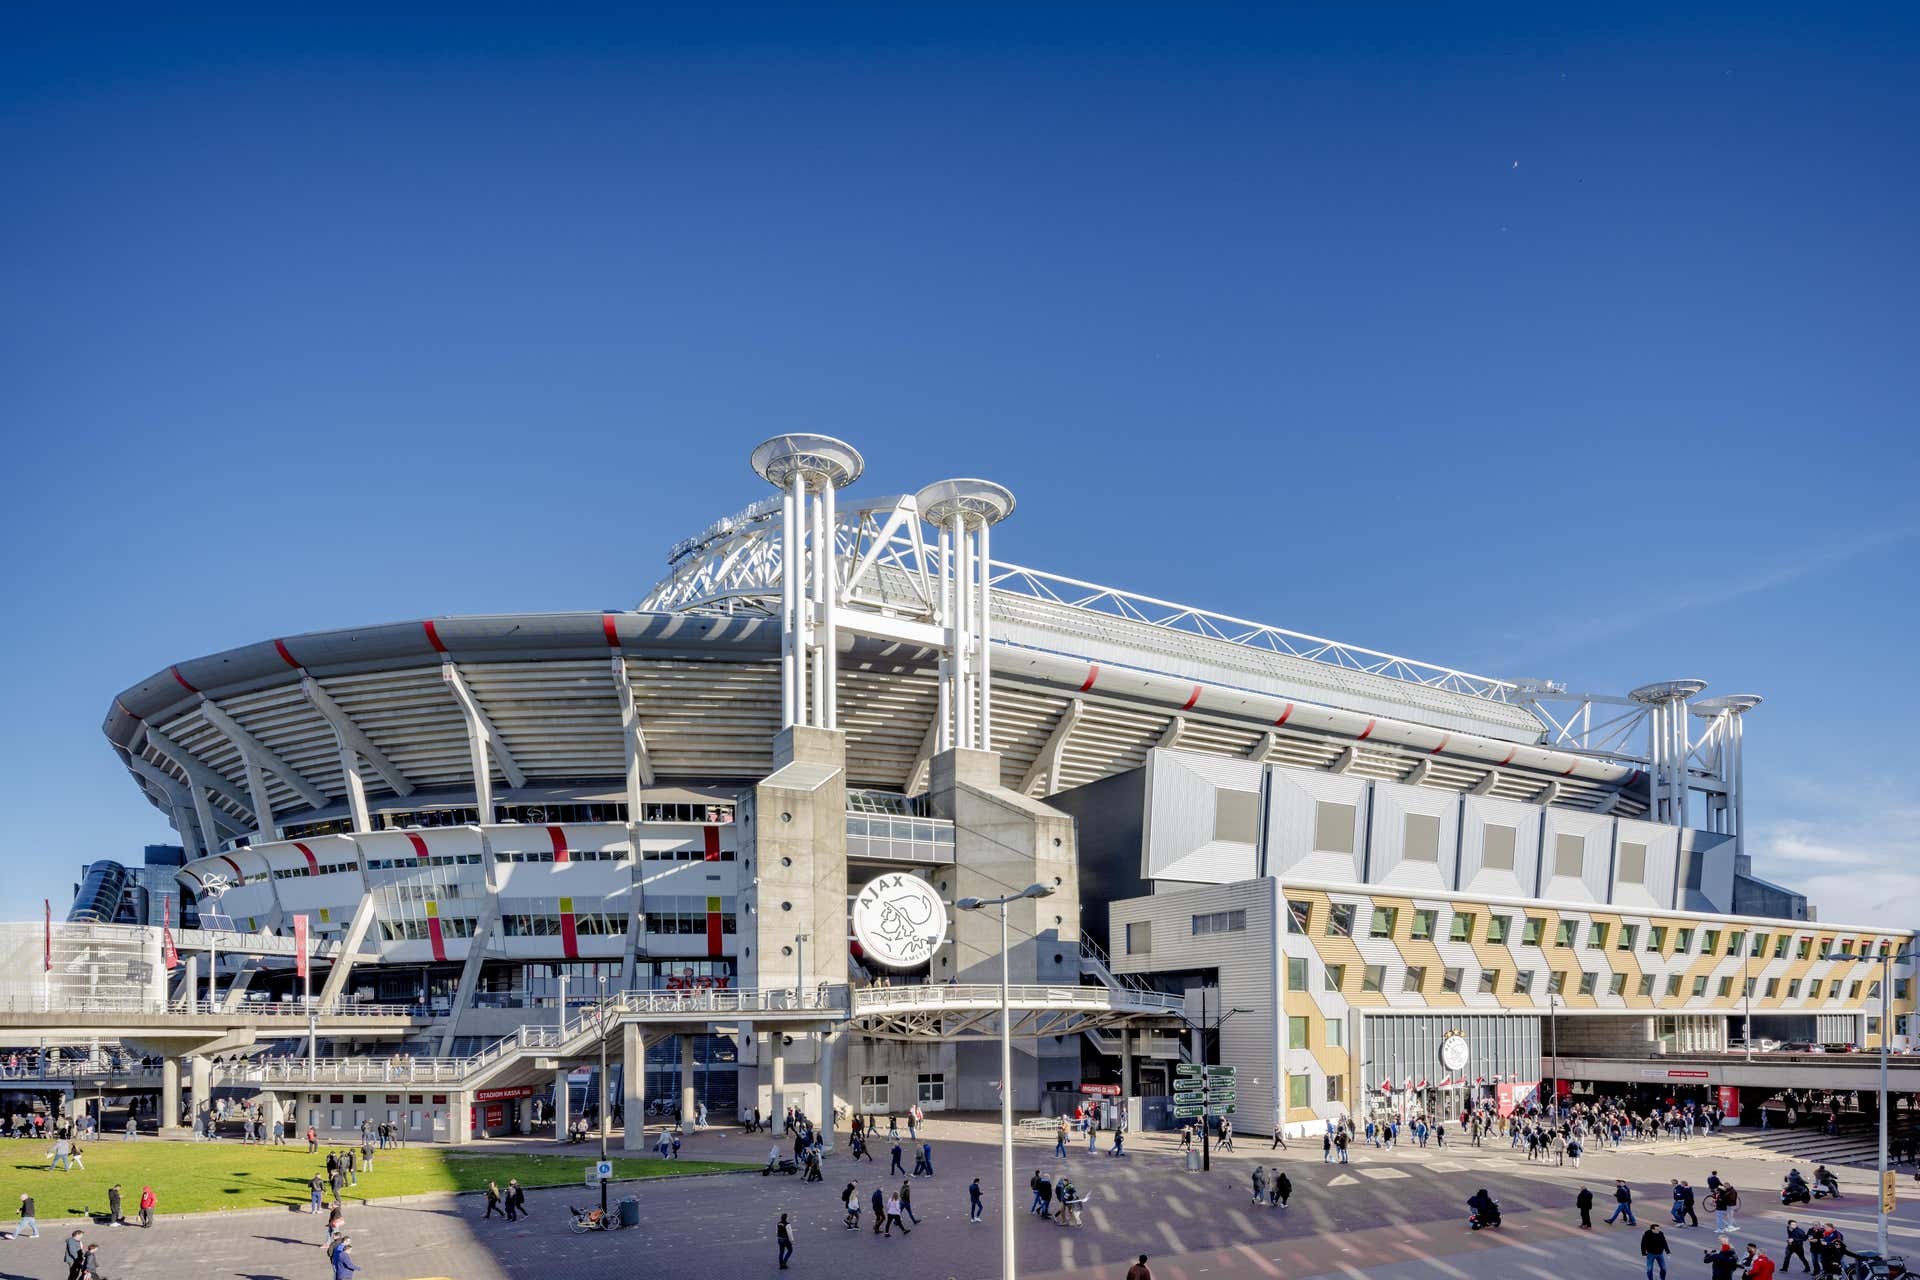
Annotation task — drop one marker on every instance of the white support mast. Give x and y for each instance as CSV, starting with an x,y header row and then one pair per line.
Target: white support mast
x,y
962,511
807,469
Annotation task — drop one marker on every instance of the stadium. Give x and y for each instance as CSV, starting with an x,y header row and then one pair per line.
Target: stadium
x,y
1411,885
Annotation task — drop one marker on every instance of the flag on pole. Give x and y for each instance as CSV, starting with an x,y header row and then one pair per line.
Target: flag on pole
x,y
169,955
300,945
47,959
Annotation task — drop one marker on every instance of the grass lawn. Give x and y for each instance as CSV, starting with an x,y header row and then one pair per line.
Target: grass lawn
x,y
189,1177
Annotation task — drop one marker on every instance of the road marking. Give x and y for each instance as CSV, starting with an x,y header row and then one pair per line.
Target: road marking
x,y
1099,1217
1241,1221
1344,1180
1381,1174
1173,1241
1446,1166
1179,1206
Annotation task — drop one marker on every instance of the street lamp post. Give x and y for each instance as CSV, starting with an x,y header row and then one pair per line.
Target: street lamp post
x,y
1006,1070
1553,1040
603,1090
1887,958
800,967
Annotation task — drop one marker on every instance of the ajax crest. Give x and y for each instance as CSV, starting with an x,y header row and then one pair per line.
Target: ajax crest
x,y
899,920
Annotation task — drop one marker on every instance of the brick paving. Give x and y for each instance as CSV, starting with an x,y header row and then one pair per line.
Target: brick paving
x,y
1389,1216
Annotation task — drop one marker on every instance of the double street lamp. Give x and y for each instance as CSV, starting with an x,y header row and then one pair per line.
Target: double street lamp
x,y
1887,957
1006,1070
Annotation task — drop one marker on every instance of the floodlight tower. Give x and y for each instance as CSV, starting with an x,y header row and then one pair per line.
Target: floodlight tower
x,y
963,511
807,469
1725,716
1666,703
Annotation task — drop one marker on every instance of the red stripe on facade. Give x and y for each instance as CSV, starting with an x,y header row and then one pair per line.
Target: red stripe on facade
x,y
419,845
238,875
1443,745
433,637
1191,699
1093,673
1284,716
1366,732
313,863
612,633
1569,770
712,836
123,707
559,838
438,938
182,679
1509,759
280,647
713,935
569,937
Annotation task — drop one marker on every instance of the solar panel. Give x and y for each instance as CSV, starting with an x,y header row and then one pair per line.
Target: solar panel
x,y
214,920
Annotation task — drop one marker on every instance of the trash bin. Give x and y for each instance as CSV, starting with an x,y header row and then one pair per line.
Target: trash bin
x,y
1193,1162
630,1212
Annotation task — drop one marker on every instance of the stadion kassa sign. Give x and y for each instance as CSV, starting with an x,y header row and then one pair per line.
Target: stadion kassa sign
x,y
899,921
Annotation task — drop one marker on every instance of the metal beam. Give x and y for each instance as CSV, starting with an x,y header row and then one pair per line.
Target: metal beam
x,y
352,737
180,801
633,737
1548,794
259,753
1485,784
1170,736
1263,746
1047,762
198,772
1418,774
481,730
1344,761
919,774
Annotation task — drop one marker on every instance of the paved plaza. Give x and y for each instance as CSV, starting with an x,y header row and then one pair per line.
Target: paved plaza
x,y
1386,1216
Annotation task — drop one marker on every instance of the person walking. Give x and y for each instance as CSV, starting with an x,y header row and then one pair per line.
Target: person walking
x,y
1584,1203
1729,1205
316,1191
896,1166
906,1202
1623,1207
850,1200
313,1140
1722,1261
1060,1140
516,1200
1282,1188
1279,1139
1139,1270
879,1210
1259,1184
1796,1247
29,1228
147,1202
893,1217
76,1252
114,1217
342,1258
493,1201
975,1208
783,1234
1654,1250
1756,1265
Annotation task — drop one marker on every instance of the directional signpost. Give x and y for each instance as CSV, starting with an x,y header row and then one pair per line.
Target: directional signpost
x,y
1202,1094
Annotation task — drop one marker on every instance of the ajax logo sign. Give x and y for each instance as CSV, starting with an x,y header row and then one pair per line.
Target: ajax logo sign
x,y
899,920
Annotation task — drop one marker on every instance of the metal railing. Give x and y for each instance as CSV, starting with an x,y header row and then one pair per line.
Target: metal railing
x,y
289,1009
1023,996
1094,953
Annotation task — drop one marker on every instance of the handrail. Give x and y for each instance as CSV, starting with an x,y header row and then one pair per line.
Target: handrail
x,y
1023,995
1096,953
216,1008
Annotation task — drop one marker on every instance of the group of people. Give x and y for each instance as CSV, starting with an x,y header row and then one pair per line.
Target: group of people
x,y
510,1204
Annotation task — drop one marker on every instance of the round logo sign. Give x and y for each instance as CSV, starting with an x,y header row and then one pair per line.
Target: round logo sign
x,y
899,920
1453,1051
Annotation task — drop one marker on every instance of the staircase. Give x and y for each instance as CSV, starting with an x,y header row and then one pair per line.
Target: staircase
x,y
1856,1145
1094,964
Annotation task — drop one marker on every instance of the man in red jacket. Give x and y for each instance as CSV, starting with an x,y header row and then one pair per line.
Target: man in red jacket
x,y
1758,1266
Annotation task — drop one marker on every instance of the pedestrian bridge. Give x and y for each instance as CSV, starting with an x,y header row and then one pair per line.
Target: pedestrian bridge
x,y
157,1021
972,1012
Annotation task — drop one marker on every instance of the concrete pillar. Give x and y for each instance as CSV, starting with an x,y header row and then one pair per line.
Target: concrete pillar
x,y
633,1087
459,1119
169,1094
686,1082
200,1068
1126,1063
272,1112
776,1049
560,1117
827,1062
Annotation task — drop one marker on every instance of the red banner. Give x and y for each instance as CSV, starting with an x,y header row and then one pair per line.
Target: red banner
x,y
169,955
47,960
300,945
1730,1101
1101,1090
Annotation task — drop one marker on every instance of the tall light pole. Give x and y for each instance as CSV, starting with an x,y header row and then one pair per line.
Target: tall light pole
x,y
800,967
1006,1070
1887,958
1553,1039
214,887
603,1089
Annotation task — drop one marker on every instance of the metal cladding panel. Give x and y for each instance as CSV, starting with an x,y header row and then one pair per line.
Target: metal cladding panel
x,y
1183,838
1658,887
1393,804
1521,880
1594,834
1293,817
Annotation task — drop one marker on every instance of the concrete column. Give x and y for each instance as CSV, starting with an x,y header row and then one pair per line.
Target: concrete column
x,y
271,1110
170,1094
827,1063
686,1082
459,1119
633,1087
1126,1063
200,1068
560,1117
777,1051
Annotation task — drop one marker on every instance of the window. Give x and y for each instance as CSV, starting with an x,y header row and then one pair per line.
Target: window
x,y
1334,1088
1873,1025
1710,942
1597,936
1633,863
1462,927
1297,1087
1780,946
1499,928
1700,986
1415,980
1336,974
1735,941
1556,982
1682,941
1139,937
1530,936
1568,853
1450,981
1629,934
1900,988
1490,982
873,1093
1496,847
1853,991
1793,988
1219,922
1725,988
1300,913
1296,973
1383,920
1773,988
1587,981
1813,989
1746,988
1673,985
1646,984
1422,842
1297,1033
1340,920
1333,827
1656,937
1423,925
1335,1032
1373,977
932,1089
1759,945
691,814
1523,983
1617,985
1563,933
1803,949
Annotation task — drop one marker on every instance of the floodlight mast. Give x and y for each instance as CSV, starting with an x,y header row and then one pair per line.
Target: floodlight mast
x,y
962,511
807,469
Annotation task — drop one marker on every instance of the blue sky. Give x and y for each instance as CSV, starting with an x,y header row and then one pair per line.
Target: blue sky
x,y
1576,346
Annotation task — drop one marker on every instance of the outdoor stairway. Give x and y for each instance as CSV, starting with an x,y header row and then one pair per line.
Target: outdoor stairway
x,y
1855,1145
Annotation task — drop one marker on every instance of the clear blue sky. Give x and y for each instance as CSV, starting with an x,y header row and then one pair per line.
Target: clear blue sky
x,y
1578,345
